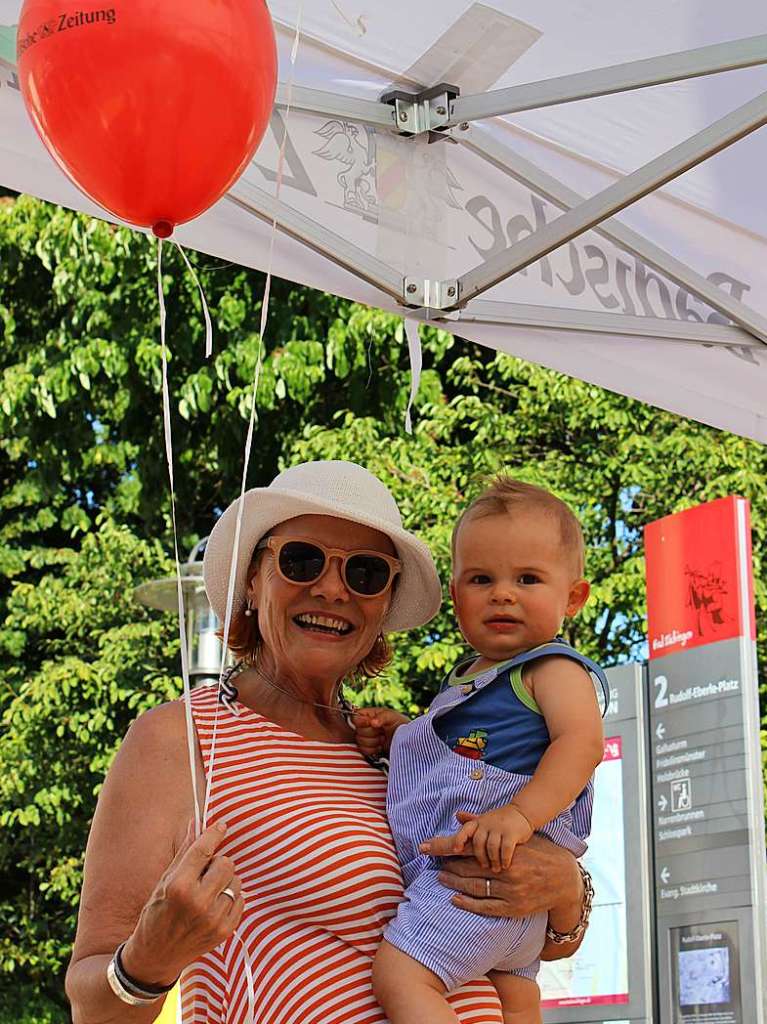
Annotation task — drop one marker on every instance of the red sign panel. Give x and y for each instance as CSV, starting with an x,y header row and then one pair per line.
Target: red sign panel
x,y
699,578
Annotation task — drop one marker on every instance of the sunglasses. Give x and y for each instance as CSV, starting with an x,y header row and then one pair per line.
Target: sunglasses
x,y
365,573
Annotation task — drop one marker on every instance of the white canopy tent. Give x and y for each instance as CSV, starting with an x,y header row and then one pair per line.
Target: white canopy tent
x,y
578,184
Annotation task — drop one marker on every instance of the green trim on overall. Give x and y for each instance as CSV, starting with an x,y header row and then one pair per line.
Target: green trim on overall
x,y
515,676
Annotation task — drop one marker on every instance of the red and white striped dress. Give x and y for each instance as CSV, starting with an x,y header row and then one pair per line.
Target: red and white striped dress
x,y
307,831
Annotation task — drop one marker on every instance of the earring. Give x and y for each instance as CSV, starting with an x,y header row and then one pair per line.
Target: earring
x,y
248,610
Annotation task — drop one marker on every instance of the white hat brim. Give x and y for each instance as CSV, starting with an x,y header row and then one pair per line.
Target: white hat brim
x,y
417,596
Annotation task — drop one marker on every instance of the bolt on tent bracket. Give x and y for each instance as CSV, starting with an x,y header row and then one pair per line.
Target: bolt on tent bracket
x,y
425,293
418,113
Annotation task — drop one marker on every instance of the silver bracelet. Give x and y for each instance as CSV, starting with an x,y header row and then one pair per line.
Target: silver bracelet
x,y
561,938
127,989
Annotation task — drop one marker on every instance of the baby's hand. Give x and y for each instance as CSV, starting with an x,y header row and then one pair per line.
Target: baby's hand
x,y
493,837
374,729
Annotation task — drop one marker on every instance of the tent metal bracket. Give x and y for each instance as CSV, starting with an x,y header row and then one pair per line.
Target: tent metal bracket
x,y
424,293
416,113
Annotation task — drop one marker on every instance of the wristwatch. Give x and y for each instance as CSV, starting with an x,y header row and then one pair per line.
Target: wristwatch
x,y
128,989
560,938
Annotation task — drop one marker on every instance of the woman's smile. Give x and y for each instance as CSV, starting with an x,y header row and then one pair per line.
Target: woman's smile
x,y
324,624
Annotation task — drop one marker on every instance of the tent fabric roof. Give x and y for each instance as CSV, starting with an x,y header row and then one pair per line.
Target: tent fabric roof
x,y
363,211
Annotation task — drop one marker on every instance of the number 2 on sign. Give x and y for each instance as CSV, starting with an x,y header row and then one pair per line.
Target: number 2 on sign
x,y
661,700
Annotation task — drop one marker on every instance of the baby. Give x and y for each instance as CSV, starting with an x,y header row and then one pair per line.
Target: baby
x,y
506,749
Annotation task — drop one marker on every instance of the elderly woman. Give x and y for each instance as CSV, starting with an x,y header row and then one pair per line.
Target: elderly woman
x,y
275,911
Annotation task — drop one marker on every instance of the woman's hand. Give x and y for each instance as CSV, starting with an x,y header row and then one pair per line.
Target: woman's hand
x,y
543,879
375,728
188,912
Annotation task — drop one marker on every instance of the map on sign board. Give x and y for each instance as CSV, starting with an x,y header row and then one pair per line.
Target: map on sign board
x,y
598,973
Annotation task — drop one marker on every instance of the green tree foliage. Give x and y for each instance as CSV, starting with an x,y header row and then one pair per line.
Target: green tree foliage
x,y
85,515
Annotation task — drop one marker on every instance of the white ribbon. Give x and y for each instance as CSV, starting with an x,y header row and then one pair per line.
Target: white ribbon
x,y
246,462
416,363
205,311
190,734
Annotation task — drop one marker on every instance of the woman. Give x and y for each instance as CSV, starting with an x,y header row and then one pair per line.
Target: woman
x,y
276,909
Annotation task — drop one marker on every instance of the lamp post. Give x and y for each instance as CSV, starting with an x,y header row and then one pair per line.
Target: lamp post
x,y
204,648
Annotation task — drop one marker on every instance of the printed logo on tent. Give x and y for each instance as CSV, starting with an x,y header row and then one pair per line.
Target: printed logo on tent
x,y
387,176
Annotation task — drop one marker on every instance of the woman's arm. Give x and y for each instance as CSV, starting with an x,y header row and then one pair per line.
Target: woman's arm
x,y
543,879
144,880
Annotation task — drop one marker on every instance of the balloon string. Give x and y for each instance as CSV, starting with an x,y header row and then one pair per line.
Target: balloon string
x,y
181,614
251,1016
205,310
416,363
253,417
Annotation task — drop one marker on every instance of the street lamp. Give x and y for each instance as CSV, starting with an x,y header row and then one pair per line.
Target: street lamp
x,y
204,648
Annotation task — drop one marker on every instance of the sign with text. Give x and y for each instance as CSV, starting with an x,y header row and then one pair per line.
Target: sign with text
x,y
696,578
707,808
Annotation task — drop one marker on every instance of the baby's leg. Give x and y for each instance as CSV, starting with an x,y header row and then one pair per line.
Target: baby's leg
x,y
408,992
520,998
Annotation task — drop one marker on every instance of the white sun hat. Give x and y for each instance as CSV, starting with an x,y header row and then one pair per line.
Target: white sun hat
x,y
332,488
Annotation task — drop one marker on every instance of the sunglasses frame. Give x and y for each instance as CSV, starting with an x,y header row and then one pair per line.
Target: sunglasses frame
x,y
276,544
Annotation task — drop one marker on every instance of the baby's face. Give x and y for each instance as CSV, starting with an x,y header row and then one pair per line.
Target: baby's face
x,y
513,583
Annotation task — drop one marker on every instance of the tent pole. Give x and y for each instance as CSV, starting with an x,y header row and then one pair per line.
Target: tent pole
x,y
672,67
307,231
506,159
551,318
331,104
722,133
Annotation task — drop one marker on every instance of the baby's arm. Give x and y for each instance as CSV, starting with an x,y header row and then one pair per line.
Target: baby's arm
x,y
565,694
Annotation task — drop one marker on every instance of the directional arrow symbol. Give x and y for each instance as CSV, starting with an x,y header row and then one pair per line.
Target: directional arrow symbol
x,y
665,874
663,803
660,731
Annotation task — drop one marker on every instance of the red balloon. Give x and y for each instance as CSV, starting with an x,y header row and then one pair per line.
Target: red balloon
x,y
152,107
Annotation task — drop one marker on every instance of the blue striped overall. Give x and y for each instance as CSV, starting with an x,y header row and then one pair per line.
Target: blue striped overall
x,y
428,783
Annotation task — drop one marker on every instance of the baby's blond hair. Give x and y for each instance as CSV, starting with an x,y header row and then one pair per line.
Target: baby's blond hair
x,y
505,495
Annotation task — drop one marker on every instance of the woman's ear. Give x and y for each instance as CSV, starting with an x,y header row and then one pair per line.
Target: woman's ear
x,y
252,589
578,596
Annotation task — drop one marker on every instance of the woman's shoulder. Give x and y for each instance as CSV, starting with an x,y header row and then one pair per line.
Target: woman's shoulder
x,y
161,728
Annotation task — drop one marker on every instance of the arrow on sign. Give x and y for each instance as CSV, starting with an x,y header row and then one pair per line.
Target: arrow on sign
x,y
665,874
660,732
663,803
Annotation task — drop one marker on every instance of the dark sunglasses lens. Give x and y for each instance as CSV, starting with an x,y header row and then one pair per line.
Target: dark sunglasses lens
x,y
301,563
367,574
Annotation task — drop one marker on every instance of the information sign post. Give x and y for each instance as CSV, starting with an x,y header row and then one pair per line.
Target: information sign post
x,y
707,807
610,977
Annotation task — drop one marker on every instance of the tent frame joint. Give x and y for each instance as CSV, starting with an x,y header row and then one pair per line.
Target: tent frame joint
x,y
419,113
426,293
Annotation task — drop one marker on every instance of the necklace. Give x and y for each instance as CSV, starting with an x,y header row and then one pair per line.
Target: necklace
x,y
343,707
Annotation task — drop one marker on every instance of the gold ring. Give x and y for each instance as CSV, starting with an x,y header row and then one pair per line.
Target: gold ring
x,y
487,887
